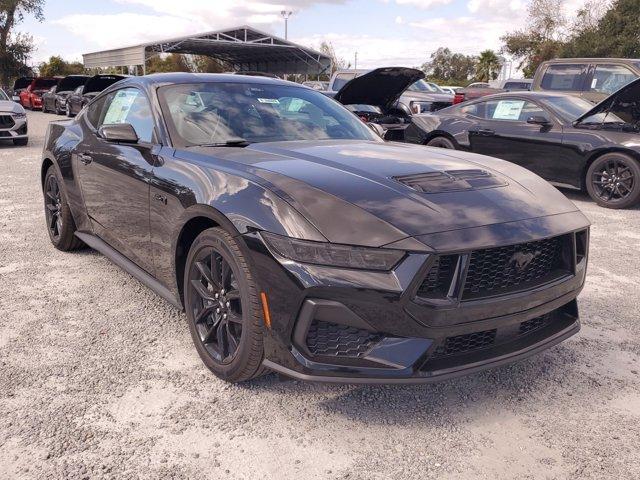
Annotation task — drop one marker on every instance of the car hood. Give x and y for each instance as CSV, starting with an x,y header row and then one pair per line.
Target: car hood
x,y
624,103
22,82
380,87
70,83
9,106
365,192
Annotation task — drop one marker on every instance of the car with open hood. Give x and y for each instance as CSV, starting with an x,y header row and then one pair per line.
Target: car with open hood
x,y
20,84
84,93
13,121
31,97
298,241
564,139
55,100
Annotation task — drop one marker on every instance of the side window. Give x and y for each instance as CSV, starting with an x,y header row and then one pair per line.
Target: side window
x,y
95,111
130,105
609,78
514,110
569,77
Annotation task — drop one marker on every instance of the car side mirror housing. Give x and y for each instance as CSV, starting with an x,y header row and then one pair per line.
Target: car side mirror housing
x,y
377,129
539,120
118,132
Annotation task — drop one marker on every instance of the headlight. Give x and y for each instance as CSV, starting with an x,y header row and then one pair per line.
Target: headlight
x,y
19,115
419,107
331,254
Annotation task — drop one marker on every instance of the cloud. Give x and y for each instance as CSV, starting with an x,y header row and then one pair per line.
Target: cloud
x,y
424,4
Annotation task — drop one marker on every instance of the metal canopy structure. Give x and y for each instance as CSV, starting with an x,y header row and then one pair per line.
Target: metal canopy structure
x,y
242,49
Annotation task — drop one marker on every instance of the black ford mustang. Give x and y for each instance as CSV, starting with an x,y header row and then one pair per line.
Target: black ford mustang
x,y
562,138
298,241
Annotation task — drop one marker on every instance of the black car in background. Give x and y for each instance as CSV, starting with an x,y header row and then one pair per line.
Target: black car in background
x,y
298,241
561,137
83,94
55,100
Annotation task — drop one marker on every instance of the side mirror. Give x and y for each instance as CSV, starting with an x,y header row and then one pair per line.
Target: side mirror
x,y
118,132
539,120
377,129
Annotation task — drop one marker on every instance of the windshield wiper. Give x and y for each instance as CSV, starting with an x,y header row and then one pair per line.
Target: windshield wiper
x,y
232,142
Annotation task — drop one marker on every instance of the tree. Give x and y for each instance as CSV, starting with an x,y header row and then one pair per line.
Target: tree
x,y
337,63
544,38
448,67
16,48
488,66
56,65
205,64
167,63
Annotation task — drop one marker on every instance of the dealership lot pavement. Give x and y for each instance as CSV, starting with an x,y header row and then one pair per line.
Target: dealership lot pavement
x,y
99,379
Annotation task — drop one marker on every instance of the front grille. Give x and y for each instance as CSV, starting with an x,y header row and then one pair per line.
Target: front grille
x,y
465,343
332,339
499,270
6,121
438,280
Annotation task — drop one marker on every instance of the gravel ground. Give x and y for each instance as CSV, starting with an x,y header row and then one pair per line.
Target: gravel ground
x,y
99,379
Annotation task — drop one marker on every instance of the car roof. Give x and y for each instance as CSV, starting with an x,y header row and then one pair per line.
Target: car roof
x,y
592,60
158,79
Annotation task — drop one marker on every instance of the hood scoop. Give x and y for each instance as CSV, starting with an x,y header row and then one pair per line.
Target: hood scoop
x,y
451,181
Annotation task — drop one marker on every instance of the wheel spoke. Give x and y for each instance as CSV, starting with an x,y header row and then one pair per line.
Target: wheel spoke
x,y
210,334
204,313
234,317
225,274
206,273
232,342
216,268
202,291
233,294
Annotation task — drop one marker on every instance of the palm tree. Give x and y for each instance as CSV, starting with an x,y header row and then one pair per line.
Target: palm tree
x,y
488,66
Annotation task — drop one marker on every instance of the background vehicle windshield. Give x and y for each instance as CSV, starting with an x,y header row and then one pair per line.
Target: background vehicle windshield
x,y
217,113
3,95
571,108
422,86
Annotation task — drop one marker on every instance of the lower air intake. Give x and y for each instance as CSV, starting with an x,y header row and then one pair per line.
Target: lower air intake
x,y
332,339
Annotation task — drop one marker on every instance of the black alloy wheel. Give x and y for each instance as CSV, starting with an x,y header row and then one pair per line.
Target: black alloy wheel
x,y
222,307
60,224
441,142
53,207
613,180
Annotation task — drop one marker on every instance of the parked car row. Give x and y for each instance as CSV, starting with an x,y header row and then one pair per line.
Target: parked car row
x,y
61,95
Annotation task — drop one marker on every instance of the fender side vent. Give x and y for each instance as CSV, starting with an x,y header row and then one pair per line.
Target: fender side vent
x,y
451,181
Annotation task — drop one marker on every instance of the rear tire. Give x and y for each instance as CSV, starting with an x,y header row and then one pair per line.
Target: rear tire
x,y
59,220
441,142
222,306
613,180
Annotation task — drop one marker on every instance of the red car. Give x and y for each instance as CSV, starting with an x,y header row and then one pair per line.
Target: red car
x,y
31,97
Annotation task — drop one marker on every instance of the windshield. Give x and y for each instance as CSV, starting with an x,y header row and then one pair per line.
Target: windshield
x,y
217,113
571,108
3,95
422,86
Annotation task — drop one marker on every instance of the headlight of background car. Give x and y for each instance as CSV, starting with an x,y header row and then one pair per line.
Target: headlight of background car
x,y
19,115
420,107
331,254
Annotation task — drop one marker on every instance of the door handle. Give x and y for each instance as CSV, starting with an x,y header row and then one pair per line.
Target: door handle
x,y
84,158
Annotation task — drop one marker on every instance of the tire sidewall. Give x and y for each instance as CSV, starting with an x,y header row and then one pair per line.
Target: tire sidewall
x,y
632,199
445,140
213,237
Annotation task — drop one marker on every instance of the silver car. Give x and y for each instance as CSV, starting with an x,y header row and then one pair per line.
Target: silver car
x,y
13,121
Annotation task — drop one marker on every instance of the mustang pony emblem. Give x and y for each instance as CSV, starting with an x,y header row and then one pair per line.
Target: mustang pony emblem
x,y
521,260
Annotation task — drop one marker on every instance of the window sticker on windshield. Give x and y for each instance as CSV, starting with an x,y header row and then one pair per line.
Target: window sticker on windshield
x,y
269,100
594,83
508,110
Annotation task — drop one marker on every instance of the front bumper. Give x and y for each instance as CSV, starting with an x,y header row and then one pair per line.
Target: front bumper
x,y
12,127
349,326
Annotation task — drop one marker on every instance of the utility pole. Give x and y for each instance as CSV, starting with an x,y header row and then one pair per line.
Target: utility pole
x,y
286,14
355,63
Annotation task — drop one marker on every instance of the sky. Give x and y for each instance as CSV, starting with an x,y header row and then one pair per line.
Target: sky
x,y
382,32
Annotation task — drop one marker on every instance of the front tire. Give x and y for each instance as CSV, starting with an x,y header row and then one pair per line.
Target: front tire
x,y
60,224
222,306
613,181
441,142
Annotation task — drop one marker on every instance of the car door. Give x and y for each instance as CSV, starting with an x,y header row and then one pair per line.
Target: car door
x,y
506,130
115,177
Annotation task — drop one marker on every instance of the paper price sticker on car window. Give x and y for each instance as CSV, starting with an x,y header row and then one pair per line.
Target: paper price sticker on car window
x,y
508,110
275,101
120,106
